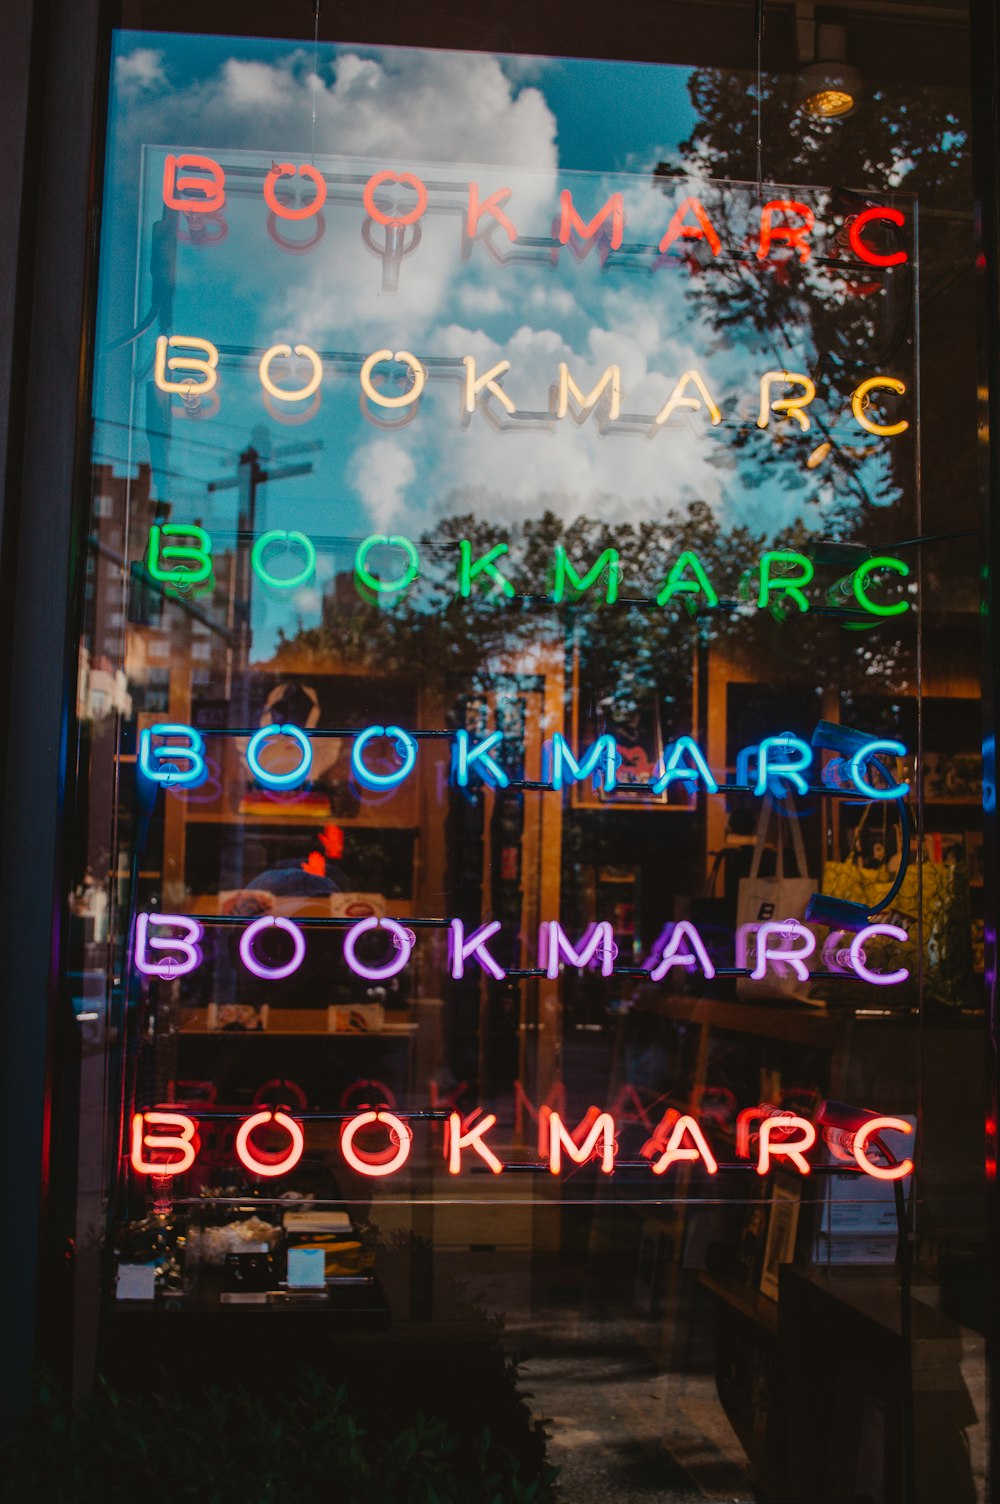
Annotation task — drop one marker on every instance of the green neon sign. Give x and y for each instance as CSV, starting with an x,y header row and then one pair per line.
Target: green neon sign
x,y
283,582
160,552
383,540
564,573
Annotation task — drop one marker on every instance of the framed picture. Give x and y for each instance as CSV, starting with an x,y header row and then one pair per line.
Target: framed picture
x,y
952,777
974,857
641,737
780,1245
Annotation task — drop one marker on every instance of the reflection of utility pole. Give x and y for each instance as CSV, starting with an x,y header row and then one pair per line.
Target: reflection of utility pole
x,y
250,476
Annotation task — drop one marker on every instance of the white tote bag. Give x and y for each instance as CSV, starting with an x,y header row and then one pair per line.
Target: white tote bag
x,y
763,900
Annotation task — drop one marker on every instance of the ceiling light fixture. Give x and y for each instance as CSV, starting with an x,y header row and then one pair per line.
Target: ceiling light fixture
x,y
826,86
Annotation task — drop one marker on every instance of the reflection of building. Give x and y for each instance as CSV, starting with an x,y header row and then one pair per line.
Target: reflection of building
x,y
135,628
102,642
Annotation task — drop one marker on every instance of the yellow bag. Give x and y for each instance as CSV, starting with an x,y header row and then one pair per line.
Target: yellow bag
x,y
936,891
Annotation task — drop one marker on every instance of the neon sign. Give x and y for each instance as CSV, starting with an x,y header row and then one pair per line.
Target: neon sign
x,y
780,231
780,944
269,1164
266,776
781,762
783,1138
604,397
782,574
394,384
271,973
784,224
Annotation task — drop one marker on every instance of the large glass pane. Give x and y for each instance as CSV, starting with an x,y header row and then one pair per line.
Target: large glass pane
x,y
529,714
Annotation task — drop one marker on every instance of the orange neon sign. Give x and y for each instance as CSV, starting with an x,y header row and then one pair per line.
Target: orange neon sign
x,y
406,180
686,1153
212,189
863,1137
162,1143
285,169
597,1128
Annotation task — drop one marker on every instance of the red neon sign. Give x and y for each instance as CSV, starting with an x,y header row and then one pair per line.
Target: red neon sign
x,y
702,230
284,169
784,1137
265,1162
376,1162
410,181
860,246
182,1142
794,236
213,188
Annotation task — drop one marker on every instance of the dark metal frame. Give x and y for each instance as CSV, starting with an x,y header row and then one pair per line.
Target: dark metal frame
x,y
985,36
53,47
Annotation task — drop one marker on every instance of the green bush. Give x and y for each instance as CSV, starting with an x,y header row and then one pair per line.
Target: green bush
x,y
302,1447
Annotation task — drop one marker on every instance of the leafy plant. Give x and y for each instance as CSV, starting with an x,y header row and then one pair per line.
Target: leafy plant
x,y
306,1446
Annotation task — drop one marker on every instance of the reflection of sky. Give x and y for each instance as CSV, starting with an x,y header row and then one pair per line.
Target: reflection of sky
x,y
530,124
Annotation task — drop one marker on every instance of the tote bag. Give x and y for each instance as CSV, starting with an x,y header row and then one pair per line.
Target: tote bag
x,y
766,899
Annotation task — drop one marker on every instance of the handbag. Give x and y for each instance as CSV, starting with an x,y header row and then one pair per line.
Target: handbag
x,y
937,892
766,899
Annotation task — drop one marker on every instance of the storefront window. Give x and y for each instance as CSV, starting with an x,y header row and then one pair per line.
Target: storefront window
x,y
529,714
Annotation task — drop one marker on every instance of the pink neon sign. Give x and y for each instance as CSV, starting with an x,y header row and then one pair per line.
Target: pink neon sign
x,y
781,946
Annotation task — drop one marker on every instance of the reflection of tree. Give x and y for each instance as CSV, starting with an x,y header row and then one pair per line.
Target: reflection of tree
x,y
907,140
628,651
853,319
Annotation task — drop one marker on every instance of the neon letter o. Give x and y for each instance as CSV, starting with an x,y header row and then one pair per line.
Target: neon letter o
x,y
284,352
272,1165
406,746
278,535
386,587
405,358
373,210
279,780
272,973
285,169
373,1166
376,973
